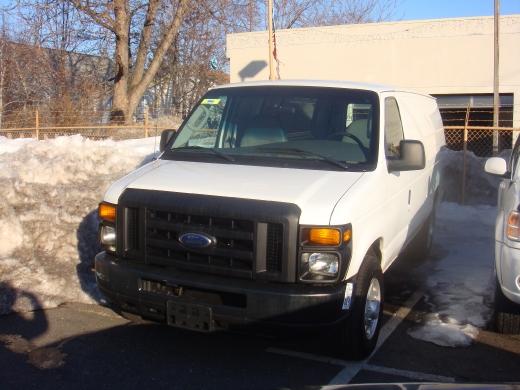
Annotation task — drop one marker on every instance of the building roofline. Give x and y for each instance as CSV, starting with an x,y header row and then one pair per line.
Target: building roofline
x,y
375,24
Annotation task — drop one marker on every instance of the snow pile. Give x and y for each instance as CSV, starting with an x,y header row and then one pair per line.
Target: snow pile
x,y
460,275
12,145
480,187
48,225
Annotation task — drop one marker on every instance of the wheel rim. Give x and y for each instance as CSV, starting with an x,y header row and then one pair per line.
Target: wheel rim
x,y
372,308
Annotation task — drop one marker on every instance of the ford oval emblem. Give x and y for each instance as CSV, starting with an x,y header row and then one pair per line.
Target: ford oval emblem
x,y
197,240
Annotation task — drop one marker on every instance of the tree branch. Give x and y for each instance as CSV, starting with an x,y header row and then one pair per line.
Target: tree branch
x,y
144,43
161,50
102,19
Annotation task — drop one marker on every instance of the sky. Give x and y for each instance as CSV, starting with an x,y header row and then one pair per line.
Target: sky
x,y
434,9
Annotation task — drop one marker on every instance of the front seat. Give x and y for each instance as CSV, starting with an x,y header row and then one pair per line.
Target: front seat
x,y
359,129
262,132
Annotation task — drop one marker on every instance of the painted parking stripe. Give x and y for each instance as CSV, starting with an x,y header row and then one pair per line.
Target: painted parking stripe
x,y
420,376
397,317
351,368
347,374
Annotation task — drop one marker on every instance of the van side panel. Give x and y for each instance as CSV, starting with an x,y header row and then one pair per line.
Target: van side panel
x,y
425,124
375,214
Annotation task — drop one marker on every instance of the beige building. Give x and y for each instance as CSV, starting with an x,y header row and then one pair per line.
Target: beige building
x,y
451,59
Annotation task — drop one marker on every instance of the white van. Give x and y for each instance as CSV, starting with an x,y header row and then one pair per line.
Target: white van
x,y
279,203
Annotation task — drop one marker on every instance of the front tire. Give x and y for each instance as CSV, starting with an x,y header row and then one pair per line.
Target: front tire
x,y
359,332
507,313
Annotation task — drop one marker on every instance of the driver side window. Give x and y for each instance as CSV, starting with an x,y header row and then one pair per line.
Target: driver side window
x,y
393,128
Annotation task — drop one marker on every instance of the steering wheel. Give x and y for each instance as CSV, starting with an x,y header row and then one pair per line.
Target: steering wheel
x,y
353,137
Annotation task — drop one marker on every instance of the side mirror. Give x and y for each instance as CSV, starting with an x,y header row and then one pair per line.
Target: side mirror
x,y
412,157
166,137
496,166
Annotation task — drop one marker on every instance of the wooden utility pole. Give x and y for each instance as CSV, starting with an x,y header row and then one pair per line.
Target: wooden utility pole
x,y
496,96
37,124
145,125
465,149
271,44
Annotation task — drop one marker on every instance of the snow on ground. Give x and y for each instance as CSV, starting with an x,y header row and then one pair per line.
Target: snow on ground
x,y
50,190
460,275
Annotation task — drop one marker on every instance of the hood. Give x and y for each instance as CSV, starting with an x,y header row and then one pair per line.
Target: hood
x,y
316,192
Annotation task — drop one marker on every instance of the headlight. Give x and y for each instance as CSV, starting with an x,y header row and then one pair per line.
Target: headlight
x,y
107,237
320,266
107,212
324,253
324,264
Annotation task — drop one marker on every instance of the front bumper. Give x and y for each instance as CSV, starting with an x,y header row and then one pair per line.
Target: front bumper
x,y
508,271
232,301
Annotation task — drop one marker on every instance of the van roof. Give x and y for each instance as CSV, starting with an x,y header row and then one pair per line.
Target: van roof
x,y
321,83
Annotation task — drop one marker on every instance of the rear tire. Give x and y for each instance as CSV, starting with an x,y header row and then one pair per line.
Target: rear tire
x,y
507,313
359,332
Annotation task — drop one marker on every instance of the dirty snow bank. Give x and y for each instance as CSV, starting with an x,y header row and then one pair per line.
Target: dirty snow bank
x,y
481,188
460,275
12,145
48,226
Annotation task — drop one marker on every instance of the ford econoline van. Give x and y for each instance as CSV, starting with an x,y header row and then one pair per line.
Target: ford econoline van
x,y
277,203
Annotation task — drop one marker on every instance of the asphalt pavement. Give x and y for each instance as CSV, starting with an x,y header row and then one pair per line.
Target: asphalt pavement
x,y
91,347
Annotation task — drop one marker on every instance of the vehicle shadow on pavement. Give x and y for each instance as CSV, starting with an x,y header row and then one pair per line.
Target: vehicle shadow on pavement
x,y
88,246
149,355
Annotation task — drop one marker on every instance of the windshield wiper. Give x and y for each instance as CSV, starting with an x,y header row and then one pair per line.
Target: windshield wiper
x,y
212,150
331,161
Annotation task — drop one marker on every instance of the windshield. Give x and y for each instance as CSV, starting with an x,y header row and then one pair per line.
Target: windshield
x,y
323,128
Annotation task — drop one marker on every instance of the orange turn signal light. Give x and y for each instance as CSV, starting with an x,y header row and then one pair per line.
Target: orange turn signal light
x,y
513,226
347,235
107,212
324,236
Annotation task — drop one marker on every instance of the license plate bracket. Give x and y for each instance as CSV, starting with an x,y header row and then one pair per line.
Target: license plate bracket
x,y
189,316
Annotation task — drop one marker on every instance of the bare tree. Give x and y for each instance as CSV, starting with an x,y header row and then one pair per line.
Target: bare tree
x,y
135,73
165,52
3,64
250,15
185,73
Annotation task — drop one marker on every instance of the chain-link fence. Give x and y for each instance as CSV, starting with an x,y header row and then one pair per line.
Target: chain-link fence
x,y
93,125
464,172
471,127
465,168
479,140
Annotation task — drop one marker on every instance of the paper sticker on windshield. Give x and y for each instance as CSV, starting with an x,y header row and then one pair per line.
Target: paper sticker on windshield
x,y
211,102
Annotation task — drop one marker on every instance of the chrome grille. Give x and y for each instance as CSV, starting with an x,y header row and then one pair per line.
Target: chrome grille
x,y
234,247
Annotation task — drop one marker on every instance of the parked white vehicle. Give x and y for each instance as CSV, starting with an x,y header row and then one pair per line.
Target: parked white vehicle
x,y
281,203
507,242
